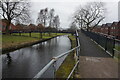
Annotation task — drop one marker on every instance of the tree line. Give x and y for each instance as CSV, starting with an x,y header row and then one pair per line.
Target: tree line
x,y
48,18
19,12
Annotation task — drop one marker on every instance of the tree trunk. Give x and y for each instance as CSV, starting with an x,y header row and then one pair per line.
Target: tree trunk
x,y
49,34
40,35
7,27
87,27
29,34
44,22
50,24
56,33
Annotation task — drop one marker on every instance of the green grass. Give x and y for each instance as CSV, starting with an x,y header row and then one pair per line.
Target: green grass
x,y
16,40
9,40
117,47
44,35
68,64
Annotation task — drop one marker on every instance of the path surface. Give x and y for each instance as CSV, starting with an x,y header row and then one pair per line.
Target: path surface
x,y
95,62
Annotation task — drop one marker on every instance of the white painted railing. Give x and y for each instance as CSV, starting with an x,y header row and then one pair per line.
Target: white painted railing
x,y
54,59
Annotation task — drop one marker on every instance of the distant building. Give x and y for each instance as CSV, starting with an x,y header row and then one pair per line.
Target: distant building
x,y
108,27
102,30
112,29
3,24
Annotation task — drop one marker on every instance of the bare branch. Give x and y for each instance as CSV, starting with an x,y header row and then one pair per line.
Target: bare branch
x,y
15,10
91,14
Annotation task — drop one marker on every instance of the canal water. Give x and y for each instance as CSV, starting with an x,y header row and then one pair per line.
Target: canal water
x,y
27,62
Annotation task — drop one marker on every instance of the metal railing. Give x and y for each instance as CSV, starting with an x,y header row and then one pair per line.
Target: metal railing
x,y
54,59
108,43
77,54
73,70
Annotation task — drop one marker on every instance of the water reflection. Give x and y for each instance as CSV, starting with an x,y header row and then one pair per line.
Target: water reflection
x,y
27,62
8,58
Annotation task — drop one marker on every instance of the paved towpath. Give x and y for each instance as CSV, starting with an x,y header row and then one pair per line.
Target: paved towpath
x,y
95,62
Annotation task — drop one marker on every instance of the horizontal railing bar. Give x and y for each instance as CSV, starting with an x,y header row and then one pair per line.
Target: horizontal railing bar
x,y
63,54
117,40
45,69
52,61
105,34
73,70
116,50
108,36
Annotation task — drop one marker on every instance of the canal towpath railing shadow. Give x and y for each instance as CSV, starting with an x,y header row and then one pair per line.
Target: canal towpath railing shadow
x,y
94,61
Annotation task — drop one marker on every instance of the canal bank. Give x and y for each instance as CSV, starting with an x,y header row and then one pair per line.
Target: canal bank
x,y
22,45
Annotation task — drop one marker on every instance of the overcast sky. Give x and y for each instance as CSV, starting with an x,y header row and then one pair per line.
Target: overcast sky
x,y
66,8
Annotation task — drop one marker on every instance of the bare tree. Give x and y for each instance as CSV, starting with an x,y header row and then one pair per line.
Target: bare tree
x,y
78,18
46,17
14,10
51,17
42,16
90,15
73,26
56,22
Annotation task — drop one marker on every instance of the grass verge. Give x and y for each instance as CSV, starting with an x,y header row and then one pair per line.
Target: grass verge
x,y
69,62
9,40
117,47
14,41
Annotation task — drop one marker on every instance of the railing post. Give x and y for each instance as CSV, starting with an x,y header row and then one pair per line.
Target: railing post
x,y
113,47
54,68
106,43
77,53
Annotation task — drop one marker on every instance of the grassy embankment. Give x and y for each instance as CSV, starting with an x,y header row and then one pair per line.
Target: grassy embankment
x,y
14,40
117,54
38,35
68,64
117,47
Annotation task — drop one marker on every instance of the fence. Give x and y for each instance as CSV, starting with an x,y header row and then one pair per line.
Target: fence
x,y
108,43
39,33
72,32
53,61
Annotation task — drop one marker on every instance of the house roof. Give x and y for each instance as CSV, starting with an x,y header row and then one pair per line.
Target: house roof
x,y
109,24
115,23
103,25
